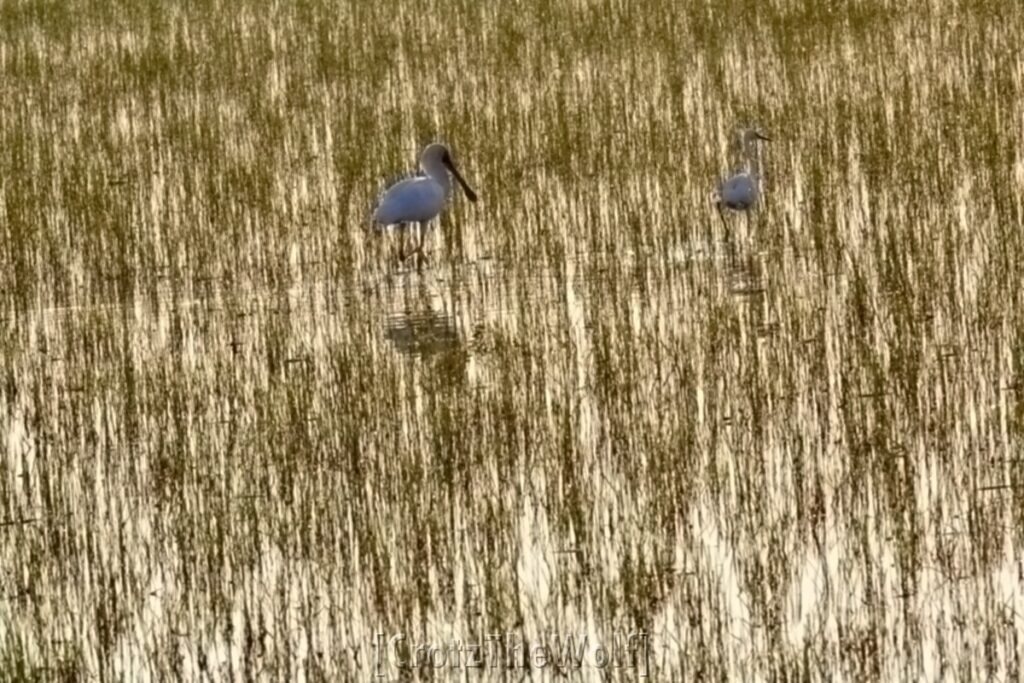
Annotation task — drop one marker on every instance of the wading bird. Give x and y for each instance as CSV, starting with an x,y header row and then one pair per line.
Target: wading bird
x,y
740,191
420,199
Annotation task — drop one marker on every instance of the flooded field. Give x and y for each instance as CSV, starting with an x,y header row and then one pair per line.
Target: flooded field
x,y
242,441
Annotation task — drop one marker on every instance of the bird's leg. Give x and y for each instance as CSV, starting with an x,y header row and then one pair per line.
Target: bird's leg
x,y
728,236
419,247
421,255
749,219
401,243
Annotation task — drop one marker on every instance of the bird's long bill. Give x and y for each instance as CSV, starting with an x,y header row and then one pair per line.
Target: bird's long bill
x,y
763,137
462,181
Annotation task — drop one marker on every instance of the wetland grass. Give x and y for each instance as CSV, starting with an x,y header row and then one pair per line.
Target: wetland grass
x,y
239,442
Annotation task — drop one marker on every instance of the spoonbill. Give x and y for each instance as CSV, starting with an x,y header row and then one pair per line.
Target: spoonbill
x,y
420,199
740,191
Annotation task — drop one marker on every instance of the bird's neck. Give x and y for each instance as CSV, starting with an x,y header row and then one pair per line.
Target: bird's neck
x,y
752,159
439,174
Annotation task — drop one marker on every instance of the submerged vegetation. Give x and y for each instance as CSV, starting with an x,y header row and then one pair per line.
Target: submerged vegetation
x,y
241,440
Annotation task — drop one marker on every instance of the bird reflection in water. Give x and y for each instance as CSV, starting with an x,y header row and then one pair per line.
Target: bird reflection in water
x,y
422,333
430,336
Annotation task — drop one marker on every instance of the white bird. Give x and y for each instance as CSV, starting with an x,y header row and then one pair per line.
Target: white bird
x,y
740,191
420,199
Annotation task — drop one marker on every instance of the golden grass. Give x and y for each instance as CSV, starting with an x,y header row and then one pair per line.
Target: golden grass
x,y
241,440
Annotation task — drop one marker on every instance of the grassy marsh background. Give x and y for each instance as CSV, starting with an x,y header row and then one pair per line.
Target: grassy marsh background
x,y
239,440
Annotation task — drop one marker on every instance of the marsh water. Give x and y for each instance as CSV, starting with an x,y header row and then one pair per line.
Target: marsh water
x,y
589,436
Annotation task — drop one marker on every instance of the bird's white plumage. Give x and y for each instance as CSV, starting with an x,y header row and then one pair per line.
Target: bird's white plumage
x,y
421,199
413,200
739,192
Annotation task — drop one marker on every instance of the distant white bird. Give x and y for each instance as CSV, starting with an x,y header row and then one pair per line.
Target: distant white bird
x,y
420,199
740,191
